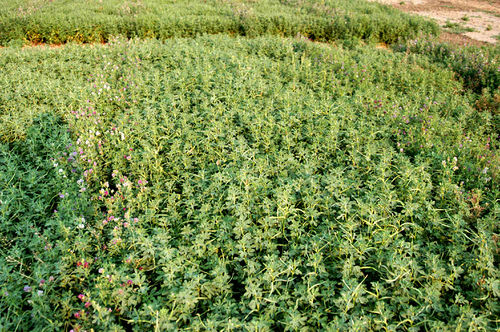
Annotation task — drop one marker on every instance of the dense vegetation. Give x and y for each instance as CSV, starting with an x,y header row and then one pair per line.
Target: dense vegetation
x,y
477,67
60,21
231,183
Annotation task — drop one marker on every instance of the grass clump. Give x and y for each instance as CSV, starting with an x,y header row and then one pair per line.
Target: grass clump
x,y
267,183
57,22
456,27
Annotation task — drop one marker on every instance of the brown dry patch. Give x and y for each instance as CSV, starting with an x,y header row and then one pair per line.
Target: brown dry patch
x,y
383,46
483,16
492,6
459,39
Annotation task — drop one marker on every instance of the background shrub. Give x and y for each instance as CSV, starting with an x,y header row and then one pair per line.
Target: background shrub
x,y
57,22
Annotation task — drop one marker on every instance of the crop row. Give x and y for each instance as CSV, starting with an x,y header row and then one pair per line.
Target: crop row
x,y
56,22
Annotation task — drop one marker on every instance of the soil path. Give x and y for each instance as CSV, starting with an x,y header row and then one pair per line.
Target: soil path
x,y
464,21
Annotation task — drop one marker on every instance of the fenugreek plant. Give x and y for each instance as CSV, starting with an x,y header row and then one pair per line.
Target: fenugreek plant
x,y
57,22
247,184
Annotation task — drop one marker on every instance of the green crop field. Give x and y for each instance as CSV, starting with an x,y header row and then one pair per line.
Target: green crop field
x,y
256,179
60,21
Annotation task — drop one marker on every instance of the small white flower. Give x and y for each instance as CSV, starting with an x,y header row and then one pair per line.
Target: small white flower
x,y
81,226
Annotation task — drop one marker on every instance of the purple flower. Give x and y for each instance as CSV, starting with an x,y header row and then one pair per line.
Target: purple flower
x,y
27,288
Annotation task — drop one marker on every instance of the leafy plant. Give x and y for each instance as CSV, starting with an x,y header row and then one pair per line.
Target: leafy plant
x,y
237,183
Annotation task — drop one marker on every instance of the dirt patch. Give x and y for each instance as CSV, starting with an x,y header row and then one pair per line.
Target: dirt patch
x,y
473,20
460,39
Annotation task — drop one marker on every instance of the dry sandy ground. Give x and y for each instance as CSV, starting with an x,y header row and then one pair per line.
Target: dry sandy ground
x,y
481,15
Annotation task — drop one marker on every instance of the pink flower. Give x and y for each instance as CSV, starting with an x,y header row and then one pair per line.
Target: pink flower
x,y
87,304
77,314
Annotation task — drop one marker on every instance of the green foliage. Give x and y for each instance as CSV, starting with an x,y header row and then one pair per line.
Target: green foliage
x,y
56,22
42,207
476,67
247,184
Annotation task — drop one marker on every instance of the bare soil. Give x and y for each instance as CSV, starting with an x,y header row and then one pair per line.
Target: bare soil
x,y
481,16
